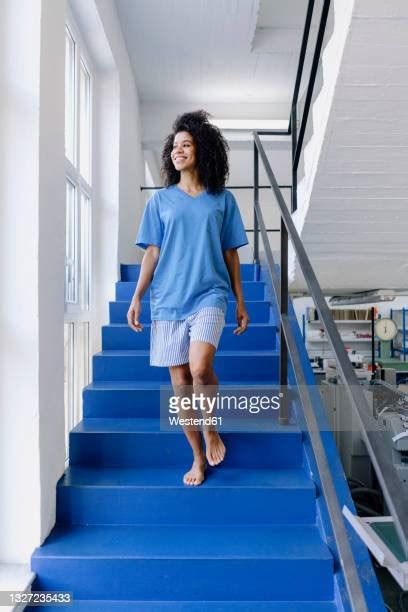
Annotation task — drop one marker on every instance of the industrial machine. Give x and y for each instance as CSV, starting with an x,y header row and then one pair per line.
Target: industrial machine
x,y
375,526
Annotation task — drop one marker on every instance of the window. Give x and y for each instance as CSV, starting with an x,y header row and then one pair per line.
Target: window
x,y
78,202
85,122
76,373
71,240
69,96
85,249
78,154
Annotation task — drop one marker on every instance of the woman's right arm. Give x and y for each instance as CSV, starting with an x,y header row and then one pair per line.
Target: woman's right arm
x,y
148,265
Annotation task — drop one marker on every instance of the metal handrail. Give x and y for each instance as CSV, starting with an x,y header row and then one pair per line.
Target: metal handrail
x,y
297,141
353,583
313,73
375,439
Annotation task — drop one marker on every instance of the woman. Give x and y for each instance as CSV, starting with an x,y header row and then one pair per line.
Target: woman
x,y
190,230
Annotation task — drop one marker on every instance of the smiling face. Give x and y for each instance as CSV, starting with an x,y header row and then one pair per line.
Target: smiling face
x,y
183,154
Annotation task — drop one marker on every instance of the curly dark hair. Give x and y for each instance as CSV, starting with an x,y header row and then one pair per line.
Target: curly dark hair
x,y
211,151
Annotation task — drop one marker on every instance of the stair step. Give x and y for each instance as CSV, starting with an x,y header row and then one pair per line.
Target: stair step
x,y
234,365
141,398
89,495
261,336
99,605
130,272
258,312
139,442
252,290
153,561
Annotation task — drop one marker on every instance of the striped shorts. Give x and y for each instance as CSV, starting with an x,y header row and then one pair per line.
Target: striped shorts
x,y
170,340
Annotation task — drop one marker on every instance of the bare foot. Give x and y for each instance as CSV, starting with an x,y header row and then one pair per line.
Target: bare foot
x,y
195,476
215,448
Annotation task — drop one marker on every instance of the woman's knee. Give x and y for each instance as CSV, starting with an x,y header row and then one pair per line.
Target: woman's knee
x,y
202,372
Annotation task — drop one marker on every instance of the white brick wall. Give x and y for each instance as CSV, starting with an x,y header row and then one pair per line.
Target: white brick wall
x,y
353,200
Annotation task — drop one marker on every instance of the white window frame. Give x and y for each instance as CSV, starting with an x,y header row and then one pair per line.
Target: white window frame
x,y
77,314
76,373
82,186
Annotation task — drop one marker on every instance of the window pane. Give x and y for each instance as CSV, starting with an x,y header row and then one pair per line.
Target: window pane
x,y
71,267
69,96
85,250
85,122
81,367
76,373
68,381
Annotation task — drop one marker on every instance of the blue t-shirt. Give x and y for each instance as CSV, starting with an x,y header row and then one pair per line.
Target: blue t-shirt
x,y
192,233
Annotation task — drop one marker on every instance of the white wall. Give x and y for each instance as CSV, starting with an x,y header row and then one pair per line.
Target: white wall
x,y
119,167
105,216
131,167
313,152
32,270
32,222
356,161
158,116
51,257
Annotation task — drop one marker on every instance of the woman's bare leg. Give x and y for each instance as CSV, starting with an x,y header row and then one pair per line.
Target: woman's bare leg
x,y
182,383
205,381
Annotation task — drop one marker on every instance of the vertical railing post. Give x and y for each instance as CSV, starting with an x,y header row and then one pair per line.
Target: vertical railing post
x,y
256,224
293,126
392,341
256,201
373,368
283,353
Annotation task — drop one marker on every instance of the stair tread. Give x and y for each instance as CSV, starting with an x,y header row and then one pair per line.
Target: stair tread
x,y
151,425
242,541
286,478
103,385
260,282
231,300
196,606
228,324
220,353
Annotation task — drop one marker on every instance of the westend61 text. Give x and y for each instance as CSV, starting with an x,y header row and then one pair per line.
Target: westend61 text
x,y
196,421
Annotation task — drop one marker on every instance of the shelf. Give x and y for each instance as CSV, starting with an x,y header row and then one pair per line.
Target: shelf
x,y
355,333
343,339
363,321
400,343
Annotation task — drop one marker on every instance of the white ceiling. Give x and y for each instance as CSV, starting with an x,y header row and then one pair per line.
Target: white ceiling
x,y
212,51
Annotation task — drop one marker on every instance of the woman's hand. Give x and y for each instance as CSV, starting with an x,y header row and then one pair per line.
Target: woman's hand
x,y
134,313
242,319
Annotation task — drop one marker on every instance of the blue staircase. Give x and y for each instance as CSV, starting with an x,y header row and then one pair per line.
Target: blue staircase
x,y
130,535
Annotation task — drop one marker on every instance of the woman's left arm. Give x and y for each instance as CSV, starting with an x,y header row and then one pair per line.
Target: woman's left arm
x,y
231,259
